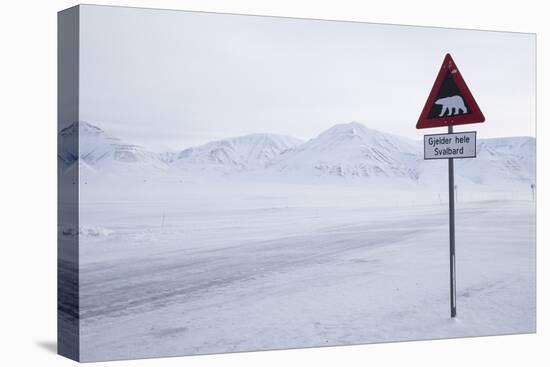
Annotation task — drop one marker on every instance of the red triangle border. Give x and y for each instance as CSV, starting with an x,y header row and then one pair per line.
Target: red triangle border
x,y
476,116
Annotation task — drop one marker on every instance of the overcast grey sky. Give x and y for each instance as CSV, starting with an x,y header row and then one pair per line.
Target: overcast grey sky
x,y
172,79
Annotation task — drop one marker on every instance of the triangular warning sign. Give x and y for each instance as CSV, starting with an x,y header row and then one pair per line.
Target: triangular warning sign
x,y
450,102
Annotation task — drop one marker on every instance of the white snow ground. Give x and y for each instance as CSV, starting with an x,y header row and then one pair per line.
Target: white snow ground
x,y
199,268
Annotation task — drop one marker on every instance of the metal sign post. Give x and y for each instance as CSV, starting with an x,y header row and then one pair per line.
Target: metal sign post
x,y
450,103
451,146
452,232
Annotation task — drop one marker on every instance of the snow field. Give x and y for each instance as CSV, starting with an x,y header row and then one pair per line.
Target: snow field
x,y
284,266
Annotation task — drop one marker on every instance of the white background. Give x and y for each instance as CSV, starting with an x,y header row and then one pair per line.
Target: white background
x,y
28,184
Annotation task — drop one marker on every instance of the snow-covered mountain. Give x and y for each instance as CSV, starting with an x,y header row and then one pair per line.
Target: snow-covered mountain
x,y
243,153
99,151
352,150
345,151
499,160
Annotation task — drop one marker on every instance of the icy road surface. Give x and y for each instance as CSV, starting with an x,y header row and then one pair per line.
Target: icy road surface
x,y
210,272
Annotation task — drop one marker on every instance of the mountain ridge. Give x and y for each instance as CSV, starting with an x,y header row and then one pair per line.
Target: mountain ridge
x,y
245,152
352,150
345,150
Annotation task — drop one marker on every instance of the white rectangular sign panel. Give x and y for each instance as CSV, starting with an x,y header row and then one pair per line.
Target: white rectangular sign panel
x,y
444,146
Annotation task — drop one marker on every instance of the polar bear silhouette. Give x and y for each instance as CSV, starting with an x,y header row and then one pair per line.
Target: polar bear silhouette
x,y
451,105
